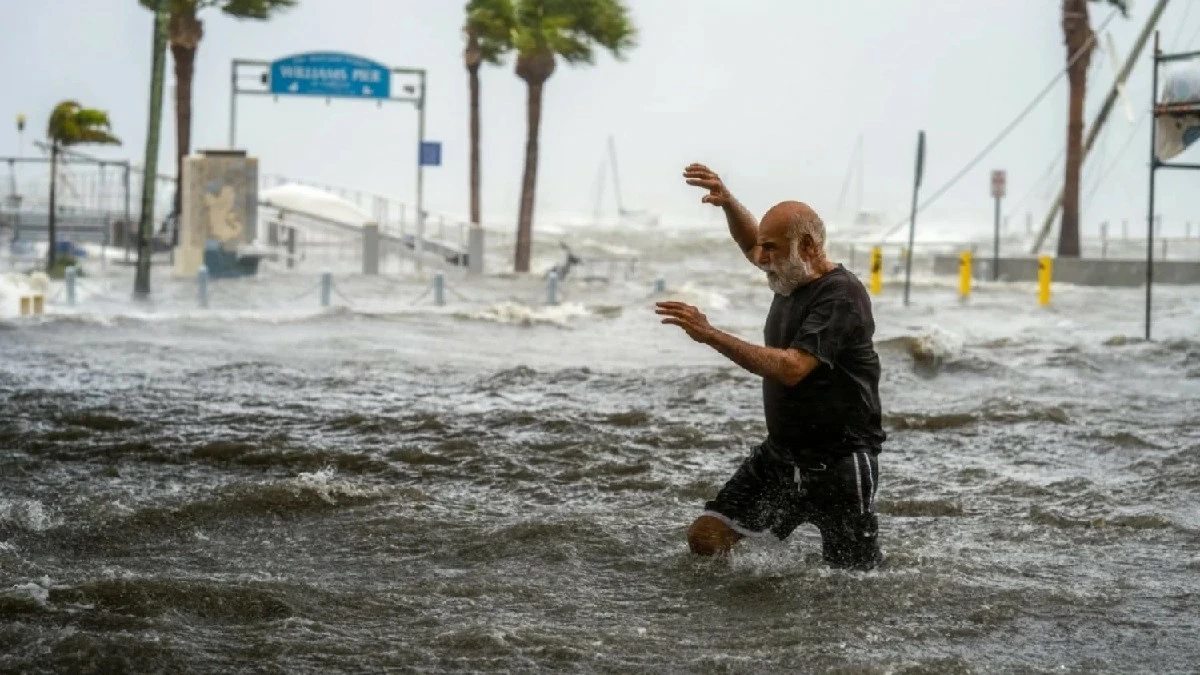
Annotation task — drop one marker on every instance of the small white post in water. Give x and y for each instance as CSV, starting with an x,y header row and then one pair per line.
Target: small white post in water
x,y
370,248
439,288
70,278
552,288
475,251
202,284
326,288
660,286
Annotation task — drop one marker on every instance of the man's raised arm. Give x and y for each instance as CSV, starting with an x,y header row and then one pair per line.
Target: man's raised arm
x,y
742,225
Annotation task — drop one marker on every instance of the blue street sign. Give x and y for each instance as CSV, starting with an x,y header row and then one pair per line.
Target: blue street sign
x,y
330,74
431,153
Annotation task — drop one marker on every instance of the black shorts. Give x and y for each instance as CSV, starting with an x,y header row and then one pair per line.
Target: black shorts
x,y
769,494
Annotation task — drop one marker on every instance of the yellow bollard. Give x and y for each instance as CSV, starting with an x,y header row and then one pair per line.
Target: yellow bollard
x,y
26,305
876,270
39,304
964,275
1045,271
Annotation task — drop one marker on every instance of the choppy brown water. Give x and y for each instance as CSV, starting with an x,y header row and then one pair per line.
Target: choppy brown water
x,y
465,491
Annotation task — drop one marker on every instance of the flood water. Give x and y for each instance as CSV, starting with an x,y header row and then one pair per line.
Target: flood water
x,y
494,485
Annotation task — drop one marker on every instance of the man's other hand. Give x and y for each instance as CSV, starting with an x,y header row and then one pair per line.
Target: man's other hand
x,y
690,319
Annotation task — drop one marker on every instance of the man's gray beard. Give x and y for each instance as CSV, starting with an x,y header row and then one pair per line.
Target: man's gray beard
x,y
790,275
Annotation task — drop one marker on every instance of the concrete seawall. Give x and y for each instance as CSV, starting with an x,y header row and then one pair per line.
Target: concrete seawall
x,y
1081,271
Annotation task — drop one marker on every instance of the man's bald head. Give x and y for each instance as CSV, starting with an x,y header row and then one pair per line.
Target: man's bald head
x,y
796,223
791,246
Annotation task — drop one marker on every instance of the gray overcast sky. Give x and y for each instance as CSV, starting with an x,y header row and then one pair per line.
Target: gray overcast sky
x,y
771,93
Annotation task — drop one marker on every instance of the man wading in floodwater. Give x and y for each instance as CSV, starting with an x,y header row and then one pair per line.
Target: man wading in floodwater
x,y
819,462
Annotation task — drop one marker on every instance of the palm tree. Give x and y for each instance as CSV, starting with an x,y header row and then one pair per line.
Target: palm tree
x,y
547,30
185,30
141,278
71,124
488,29
1080,42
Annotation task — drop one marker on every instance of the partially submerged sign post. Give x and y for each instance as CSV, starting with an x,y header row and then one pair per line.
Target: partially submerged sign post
x,y
912,220
331,75
999,187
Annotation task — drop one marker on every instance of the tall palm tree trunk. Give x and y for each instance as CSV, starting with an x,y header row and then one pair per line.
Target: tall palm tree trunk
x,y
184,58
475,179
529,180
51,224
1078,34
184,32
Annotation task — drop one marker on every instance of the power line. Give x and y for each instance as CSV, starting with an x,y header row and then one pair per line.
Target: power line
x,y
1041,181
1187,10
1007,129
1194,37
1117,159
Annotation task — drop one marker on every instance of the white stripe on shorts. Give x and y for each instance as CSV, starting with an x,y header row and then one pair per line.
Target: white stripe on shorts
x,y
862,505
870,483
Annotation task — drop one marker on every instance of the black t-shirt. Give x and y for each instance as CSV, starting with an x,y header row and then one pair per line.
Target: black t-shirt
x,y
836,409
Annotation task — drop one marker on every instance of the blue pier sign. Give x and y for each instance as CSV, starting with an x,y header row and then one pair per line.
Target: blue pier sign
x,y
431,153
330,74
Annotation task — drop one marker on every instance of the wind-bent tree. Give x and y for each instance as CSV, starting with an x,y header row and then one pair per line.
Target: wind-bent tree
x,y
1080,41
185,30
489,29
71,124
547,30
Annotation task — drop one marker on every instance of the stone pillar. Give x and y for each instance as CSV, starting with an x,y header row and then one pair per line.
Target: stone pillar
x,y
370,250
475,252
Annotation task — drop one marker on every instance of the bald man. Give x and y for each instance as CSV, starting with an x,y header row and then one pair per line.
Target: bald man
x,y
820,372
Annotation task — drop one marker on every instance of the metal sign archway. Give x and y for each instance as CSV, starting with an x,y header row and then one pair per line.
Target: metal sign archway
x,y
331,75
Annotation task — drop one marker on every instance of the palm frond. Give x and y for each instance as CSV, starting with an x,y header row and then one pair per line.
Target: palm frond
x,y
87,117
491,23
72,124
94,137
573,29
260,10
1122,5
178,6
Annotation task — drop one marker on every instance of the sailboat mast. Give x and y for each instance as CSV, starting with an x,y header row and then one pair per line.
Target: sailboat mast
x,y
861,173
599,193
854,155
612,155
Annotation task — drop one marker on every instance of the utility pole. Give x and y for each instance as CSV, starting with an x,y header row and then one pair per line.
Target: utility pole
x,y
141,283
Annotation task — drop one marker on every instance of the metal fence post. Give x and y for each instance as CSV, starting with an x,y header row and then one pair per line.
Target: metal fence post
x,y
552,288
202,284
70,279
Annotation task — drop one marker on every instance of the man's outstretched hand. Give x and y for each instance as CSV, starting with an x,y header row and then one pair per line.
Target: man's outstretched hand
x,y
702,176
690,319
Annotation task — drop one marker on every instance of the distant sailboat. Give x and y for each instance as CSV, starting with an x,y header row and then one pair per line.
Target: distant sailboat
x,y
624,216
859,222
